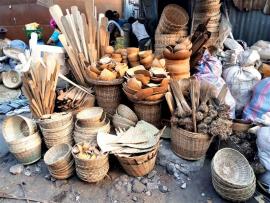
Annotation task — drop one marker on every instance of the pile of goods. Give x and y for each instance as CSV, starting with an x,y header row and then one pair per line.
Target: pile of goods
x,y
92,165
133,56
83,38
59,161
119,55
232,176
39,84
177,59
200,116
146,58
22,138
172,27
88,123
136,148
208,10
144,85
73,99
199,109
107,70
124,117
57,128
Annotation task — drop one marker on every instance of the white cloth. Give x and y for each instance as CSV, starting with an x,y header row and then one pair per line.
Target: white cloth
x,y
139,31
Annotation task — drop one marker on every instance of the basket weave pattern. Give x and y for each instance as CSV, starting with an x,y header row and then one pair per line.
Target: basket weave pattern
x,y
189,145
139,165
108,97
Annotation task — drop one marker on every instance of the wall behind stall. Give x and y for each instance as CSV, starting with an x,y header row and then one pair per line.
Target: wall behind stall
x,y
14,14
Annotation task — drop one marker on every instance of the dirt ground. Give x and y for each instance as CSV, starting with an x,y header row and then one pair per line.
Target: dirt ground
x,y
115,188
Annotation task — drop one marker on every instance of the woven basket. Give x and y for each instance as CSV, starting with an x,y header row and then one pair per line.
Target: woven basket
x,y
149,111
234,194
55,120
27,150
92,170
238,173
82,137
173,18
139,165
108,97
189,145
59,161
16,127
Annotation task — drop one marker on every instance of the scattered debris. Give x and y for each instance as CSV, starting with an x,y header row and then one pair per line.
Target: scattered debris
x,y
138,187
60,196
184,186
163,189
152,174
27,172
135,199
16,169
148,193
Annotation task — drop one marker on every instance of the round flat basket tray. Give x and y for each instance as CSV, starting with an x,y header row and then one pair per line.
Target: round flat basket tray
x,y
232,169
175,14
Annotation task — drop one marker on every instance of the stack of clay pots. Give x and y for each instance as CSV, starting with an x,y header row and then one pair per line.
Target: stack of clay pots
x,y
178,58
89,122
204,10
57,128
124,117
172,27
59,161
119,55
133,56
22,138
146,58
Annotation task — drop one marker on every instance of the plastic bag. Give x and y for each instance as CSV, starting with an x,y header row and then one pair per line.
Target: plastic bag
x,y
241,81
263,145
263,47
258,109
210,69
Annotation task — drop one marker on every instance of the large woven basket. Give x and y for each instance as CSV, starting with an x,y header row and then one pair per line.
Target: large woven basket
x,y
149,111
27,150
139,165
92,170
189,145
55,120
173,18
59,161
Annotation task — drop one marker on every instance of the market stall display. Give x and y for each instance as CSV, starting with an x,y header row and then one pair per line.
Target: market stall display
x,y
172,27
136,149
22,138
199,117
59,161
91,164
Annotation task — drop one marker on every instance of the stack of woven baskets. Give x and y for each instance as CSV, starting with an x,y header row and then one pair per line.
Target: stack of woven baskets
x,y
22,137
172,26
204,10
57,128
89,122
232,176
59,161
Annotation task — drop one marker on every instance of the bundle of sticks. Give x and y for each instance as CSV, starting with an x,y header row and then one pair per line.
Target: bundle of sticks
x,y
200,109
39,84
82,40
73,98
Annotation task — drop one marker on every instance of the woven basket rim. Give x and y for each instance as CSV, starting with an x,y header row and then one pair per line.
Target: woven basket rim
x,y
106,83
53,152
219,155
146,102
191,134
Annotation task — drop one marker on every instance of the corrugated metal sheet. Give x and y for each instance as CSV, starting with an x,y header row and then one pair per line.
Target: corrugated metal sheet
x,y
249,26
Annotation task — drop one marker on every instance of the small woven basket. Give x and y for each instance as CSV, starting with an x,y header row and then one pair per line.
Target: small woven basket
x,y
27,150
139,165
149,111
189,145
59,161
92,170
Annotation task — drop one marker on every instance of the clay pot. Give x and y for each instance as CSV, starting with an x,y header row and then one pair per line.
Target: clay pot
x,y
132,50
179,55
178,66
134,57
143,93
144,79
107,75
144,54
134,84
